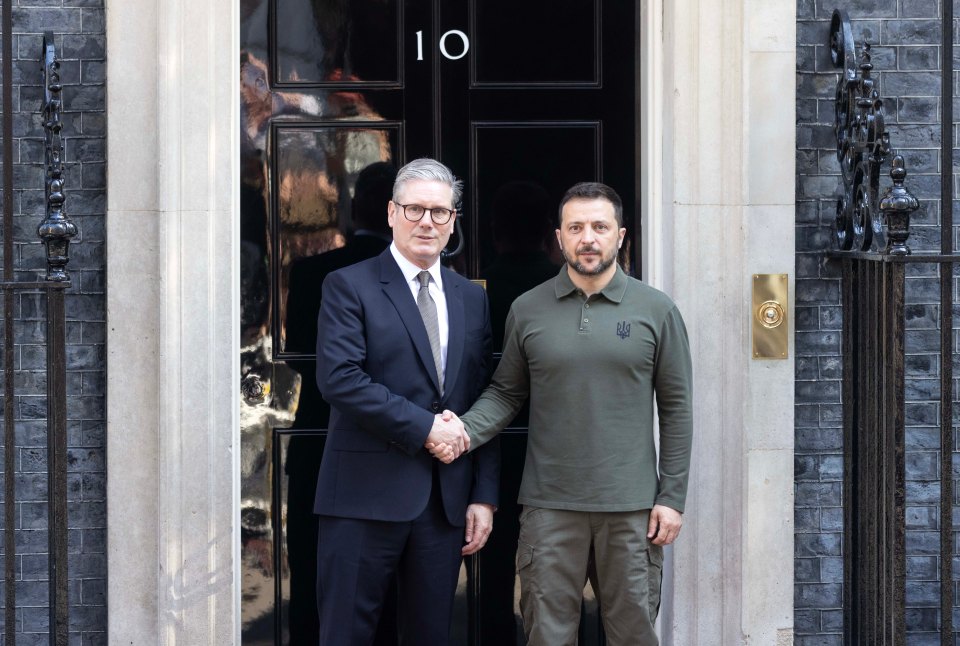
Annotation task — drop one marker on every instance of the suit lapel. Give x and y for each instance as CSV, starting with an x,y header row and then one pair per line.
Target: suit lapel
x,y
397,290
456,319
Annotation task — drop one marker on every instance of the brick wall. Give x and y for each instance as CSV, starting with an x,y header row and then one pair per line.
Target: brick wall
x,y
79,31
905,37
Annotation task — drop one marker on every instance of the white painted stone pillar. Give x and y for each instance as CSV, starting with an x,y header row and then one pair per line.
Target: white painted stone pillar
x,y
721,210
172,311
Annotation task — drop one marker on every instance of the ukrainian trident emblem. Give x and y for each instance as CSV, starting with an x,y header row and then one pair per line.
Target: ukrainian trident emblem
x,y
623,329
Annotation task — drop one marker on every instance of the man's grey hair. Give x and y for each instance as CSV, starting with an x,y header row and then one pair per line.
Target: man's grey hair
x,y
432,171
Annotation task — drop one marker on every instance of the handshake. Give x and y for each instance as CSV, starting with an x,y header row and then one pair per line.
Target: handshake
x,y
447,440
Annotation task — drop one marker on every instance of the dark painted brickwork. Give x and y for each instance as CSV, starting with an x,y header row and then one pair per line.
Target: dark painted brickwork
x,y
79,31
905,37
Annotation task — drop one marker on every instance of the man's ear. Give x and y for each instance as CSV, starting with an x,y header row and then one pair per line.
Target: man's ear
x,y
391,213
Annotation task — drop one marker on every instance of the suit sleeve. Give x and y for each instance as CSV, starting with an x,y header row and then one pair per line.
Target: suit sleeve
x,y
486,460
341,354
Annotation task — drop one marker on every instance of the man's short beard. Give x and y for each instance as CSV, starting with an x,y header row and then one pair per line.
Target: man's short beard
x,y
578,267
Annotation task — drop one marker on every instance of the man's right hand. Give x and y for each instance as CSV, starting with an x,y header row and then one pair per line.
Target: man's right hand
x,y
447,439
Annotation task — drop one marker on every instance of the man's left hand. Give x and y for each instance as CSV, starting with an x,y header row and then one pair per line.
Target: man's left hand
x,y
479,526
664,525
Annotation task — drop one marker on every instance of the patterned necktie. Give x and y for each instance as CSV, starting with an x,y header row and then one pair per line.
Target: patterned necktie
x,y
428,310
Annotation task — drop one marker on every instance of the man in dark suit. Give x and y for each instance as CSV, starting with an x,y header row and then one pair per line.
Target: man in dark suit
x,y
400,339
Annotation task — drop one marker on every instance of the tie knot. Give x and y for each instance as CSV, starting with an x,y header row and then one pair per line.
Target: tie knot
x,y
424,278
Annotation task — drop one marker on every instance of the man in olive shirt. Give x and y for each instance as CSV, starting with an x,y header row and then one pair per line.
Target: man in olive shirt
x,y
592,348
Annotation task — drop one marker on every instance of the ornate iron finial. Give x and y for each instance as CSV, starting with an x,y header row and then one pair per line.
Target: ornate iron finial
x,y
896,206
865,65
863,144
56,230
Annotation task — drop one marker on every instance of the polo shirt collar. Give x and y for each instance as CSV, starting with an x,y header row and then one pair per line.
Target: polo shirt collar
x,y
613,292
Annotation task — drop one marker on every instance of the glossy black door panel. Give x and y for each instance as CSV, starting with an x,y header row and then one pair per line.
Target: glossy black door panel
x,y
535,43
521,99
295,532
332,43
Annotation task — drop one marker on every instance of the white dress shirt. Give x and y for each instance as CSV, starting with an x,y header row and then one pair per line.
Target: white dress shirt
x,y
411,273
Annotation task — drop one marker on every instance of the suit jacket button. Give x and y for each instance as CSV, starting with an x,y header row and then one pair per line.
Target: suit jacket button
x,y
435,406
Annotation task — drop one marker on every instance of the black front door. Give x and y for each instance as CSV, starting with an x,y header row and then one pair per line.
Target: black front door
x,y
521,100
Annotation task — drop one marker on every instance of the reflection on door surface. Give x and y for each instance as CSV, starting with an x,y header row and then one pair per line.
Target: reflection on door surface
x,y
521,100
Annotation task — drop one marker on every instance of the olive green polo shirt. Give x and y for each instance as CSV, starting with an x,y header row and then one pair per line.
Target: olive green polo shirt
x,y
592,368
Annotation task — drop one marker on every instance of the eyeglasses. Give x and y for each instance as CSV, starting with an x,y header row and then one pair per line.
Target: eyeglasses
x,y
414,213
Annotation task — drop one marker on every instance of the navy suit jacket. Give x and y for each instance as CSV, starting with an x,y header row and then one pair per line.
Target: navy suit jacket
x,y
376,370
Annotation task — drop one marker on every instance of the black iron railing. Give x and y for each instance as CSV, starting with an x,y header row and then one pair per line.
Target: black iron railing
x,y
872,232
55,231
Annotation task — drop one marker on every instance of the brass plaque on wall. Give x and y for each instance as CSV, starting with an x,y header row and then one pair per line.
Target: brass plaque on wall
x,y
769,316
